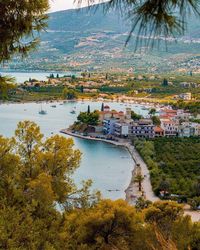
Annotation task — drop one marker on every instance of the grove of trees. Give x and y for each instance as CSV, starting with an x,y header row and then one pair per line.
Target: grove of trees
x,y
173,164
69,94
42,208
89,118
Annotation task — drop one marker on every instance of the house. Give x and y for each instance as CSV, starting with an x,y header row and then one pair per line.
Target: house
x,y
121,129
167,112
109,126
182,115
108,114
159,132
170,127
186,96
197,129
90,90
144,128
185,84
186,130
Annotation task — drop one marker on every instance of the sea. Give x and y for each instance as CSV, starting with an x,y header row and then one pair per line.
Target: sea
x,y
108,166
21,77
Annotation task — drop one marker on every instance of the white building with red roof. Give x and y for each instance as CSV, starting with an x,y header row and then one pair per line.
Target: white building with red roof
x,y
170,127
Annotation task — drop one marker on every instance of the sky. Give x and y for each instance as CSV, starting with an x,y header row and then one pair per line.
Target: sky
x,y
57,5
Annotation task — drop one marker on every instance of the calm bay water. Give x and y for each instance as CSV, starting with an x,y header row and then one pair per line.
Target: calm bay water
x,y
108,166
21,77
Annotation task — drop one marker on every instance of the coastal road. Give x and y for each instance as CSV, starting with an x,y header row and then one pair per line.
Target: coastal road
x,y
147,188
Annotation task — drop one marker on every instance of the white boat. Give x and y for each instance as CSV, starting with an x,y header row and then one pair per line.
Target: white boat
x,y
73,111
42,112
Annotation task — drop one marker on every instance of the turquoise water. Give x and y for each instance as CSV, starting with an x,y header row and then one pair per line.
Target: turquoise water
x,y
21,77
108,166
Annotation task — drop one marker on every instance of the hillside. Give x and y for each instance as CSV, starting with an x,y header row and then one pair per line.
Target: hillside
x,y
90,39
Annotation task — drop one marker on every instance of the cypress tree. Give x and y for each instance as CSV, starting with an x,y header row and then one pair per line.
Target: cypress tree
x,y
88,109
102,106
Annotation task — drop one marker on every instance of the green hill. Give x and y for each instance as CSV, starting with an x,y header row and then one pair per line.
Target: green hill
x,y
92,39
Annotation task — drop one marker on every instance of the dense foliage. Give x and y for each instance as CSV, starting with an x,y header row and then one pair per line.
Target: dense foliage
x,y
156,120
135,116
69,94
174,164
193,107
6,85
89,118
41,207
20,22
35,179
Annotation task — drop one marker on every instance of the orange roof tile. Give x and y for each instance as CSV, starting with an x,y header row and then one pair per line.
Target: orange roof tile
x,y
158,129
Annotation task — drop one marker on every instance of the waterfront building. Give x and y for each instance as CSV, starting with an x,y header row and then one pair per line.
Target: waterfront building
x,y
159,132
108,114
144,128
170,127
121,129
109,126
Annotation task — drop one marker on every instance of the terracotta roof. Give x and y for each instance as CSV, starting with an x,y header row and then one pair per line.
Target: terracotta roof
x,y
109,112
166,116
158,129
170,111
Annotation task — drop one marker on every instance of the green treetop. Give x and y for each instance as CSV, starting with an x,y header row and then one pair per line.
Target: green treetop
x,y
19,20
91,118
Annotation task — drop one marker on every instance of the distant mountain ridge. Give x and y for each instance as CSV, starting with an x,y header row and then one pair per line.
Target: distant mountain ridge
x,y
86,19
90,39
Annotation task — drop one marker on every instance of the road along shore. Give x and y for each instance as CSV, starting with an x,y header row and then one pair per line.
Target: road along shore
x,y
132,193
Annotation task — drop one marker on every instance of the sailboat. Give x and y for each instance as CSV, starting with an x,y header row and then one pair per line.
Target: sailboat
x,y
42,112
73,111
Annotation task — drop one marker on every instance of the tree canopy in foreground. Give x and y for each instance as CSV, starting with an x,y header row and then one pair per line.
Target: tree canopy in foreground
x,y
41,207
20,22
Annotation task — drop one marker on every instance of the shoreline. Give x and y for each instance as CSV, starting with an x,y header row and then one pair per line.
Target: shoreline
x,y
131,191
147,104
